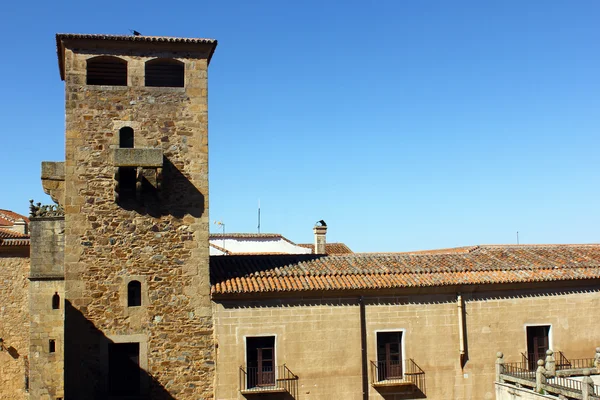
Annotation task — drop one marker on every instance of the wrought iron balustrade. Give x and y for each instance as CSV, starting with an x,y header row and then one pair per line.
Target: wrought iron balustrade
x,y
268,380
396,373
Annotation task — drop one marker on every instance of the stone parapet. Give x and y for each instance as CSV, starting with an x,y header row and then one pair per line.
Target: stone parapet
x,y
47,248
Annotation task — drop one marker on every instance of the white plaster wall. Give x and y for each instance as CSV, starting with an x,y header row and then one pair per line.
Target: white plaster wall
x,y
257,245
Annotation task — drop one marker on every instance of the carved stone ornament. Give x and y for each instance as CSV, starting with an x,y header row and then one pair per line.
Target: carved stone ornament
x,y
38,210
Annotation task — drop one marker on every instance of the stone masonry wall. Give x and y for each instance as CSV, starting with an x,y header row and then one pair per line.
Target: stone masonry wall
x,y
46,323
46,368
319,339
163,243
14,325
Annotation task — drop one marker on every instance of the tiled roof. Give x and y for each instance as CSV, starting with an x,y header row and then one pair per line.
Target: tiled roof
x,y
10,234
8,218
245,236
248,237
12,238
60,37
480,265
132,38
330,248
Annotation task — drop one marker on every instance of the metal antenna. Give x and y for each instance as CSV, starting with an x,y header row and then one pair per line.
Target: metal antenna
x,y
258,215
517,237
222,226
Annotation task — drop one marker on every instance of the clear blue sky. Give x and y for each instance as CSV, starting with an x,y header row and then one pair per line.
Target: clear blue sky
x,y
404,124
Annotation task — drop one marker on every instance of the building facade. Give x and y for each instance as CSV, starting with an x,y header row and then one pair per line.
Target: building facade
x,y
119,297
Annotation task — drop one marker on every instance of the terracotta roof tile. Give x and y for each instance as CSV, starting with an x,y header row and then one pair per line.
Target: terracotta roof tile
x,y
8,218
10,234
11,238
330,248
479,265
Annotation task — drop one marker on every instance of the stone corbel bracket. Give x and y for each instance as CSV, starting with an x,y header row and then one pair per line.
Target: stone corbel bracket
x,y
53,180
148,164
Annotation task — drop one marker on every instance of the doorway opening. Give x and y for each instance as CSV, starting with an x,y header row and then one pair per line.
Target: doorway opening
x,y
537,344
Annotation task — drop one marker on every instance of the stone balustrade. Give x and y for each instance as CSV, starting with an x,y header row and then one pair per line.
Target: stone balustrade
x,y
568,383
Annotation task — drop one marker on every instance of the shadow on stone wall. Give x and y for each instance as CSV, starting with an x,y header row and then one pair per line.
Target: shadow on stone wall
x,y
178,196
392,393
13,352
270,396
86,363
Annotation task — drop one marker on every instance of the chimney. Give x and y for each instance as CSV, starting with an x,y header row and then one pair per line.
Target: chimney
x,y
320,231
20,226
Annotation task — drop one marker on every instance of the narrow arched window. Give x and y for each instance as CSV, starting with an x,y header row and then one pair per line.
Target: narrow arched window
x,y
55,301
126,138
164,72
106,71
134,294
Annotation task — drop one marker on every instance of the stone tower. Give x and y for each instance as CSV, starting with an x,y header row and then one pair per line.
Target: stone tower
x,y
137,310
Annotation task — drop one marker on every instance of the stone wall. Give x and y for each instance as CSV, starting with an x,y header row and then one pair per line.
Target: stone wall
x,y
319,339
161,240
46,322
14,324
46,367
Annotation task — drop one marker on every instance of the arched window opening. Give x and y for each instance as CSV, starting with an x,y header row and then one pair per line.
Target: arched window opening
x,y
52,346
134,294
55,301
126,138
107,71
164,72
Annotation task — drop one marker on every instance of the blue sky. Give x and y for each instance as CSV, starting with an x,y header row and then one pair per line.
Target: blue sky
x,y
404,124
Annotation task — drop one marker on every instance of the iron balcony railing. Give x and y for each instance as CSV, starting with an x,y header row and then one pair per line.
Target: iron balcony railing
x,y
268,379
390,373
519,370
562,362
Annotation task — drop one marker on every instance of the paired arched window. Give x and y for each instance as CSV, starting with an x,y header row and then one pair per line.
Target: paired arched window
x,y
126,138
164,72
55,301
105,70
134,294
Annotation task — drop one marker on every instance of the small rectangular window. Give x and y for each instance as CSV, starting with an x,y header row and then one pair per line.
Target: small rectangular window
x,y
52,346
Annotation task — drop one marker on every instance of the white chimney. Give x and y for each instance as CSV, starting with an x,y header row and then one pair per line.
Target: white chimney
x,y
20,226
320,231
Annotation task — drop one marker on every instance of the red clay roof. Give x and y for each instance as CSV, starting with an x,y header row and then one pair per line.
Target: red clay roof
x,y
330,248
479,265
8,218
11,238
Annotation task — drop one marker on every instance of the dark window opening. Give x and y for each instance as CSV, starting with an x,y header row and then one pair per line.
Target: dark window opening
x,y
107,71
124,369
389,355
260,357
52,346
126,183
134,294
55,301
126,138
537,344
164,72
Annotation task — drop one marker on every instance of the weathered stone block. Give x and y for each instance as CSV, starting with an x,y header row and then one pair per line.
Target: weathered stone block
x,y
150,158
